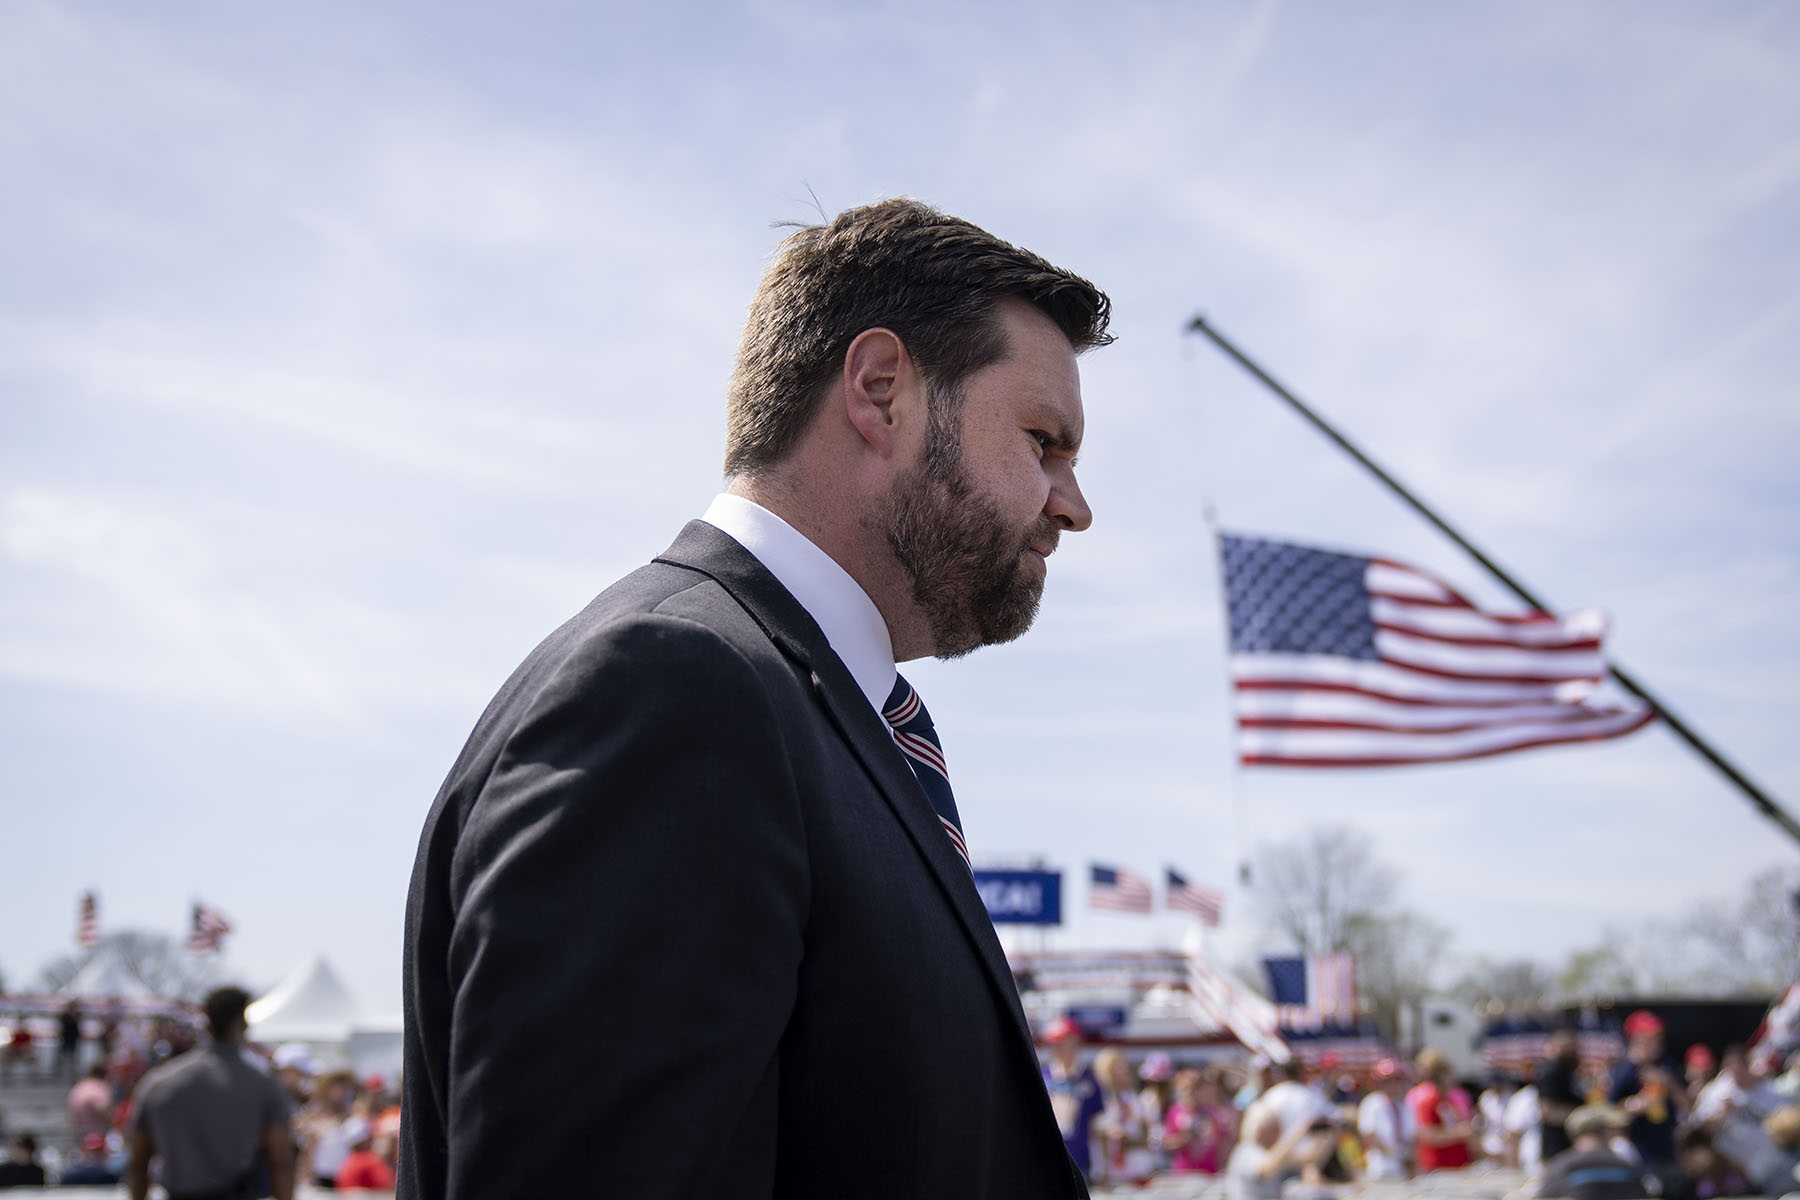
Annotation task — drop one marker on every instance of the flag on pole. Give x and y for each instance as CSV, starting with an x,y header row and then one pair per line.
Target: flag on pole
x,y
1182,896
1118,890
87,921
1313,991
1342,660
209,929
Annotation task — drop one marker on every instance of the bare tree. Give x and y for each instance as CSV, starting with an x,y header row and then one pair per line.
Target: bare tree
x,y
1514,984
159,962
1396,955
1602,971
1326,891
1747,945
1316,889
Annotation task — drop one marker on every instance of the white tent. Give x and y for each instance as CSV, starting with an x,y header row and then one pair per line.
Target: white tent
x,y
314,1008
310,1006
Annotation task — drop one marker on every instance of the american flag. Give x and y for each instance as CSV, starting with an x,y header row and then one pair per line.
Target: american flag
x,y
1515,1046
1314,991
209,929
1117,889
87,921
1204,903
1342,660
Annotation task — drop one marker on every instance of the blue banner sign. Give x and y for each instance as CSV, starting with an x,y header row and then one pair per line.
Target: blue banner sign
x,y
1021,897
1098,1020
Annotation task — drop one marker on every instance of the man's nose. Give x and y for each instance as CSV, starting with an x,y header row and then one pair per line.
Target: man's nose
x,y
1067,506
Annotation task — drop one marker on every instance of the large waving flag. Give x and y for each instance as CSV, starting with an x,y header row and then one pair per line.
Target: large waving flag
x,y
1342,660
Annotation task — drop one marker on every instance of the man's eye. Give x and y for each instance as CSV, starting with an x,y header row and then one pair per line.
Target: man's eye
x,y
1044,440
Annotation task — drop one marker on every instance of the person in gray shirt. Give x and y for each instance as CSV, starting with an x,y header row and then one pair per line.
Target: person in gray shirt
x,y
215,1118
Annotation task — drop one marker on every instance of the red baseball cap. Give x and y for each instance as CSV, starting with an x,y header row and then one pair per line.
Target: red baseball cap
x,y
1700,1055
1062,1030
1642,1023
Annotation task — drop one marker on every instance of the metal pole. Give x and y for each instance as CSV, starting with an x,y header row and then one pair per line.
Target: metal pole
x,y
1757,797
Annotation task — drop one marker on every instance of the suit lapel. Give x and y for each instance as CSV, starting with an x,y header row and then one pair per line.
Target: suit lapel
x,y
703,548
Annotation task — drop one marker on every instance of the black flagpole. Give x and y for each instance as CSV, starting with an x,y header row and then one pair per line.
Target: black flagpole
x,y
1763,802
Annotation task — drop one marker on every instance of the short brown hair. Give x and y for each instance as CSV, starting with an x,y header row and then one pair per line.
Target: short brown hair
x,y
901,265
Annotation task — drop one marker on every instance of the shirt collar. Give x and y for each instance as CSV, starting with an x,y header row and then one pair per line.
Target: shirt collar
x,y
846,615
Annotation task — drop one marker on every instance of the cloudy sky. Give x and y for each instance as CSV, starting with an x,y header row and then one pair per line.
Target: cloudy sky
x,y
347,349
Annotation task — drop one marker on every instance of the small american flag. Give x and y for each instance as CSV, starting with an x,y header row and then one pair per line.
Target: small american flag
x,y
1341,660
87,921
208,931
1314,991
1117,889
1183,896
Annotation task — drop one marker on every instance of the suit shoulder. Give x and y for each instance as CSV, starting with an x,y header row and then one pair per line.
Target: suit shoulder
x,y
684,611
660,624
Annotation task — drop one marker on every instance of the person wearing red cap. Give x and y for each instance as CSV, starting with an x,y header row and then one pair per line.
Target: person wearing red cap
x,y
1699,1067
1074,1092
1647,1087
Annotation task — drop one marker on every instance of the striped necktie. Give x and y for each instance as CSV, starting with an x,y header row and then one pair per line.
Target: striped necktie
x,y
925,755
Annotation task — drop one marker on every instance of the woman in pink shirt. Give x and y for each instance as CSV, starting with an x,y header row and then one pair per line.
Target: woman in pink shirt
x,y
1197,1131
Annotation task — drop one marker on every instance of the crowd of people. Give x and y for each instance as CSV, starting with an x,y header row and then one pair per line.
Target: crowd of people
x,y
1589,1129
338,1131
1718,1125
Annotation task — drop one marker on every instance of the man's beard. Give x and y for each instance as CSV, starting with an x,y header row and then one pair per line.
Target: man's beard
x,y
966,565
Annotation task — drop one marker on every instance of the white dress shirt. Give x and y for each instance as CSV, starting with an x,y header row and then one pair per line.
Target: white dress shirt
x,y
849,619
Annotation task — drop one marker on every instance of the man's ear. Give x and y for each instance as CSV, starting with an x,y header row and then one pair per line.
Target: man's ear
x,y
878,375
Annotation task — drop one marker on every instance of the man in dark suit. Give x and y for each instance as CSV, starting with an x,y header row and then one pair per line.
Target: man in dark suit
x,y
692,915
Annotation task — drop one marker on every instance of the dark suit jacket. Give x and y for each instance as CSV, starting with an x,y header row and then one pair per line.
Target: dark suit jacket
x,y
682,923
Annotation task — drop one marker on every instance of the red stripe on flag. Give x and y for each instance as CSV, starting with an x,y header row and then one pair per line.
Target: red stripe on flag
x,y
1586,645
1272,760
1307,685
1380,727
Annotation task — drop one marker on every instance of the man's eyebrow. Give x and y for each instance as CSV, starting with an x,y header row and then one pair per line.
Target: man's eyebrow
x,y
1061,439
